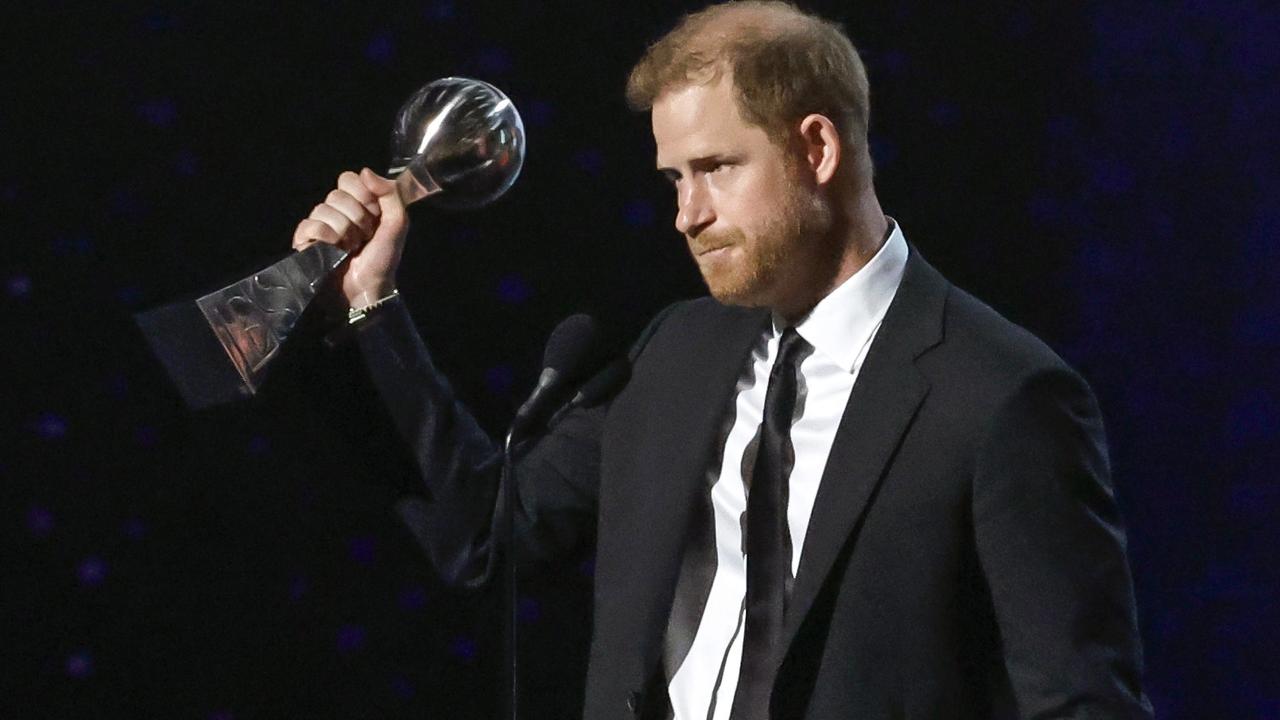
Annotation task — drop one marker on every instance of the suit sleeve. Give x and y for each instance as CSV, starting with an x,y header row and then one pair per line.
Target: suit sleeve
x,y
1052,548
460,465
455,514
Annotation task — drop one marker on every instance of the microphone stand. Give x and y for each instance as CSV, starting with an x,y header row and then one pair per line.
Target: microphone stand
x,y
567,350
510,497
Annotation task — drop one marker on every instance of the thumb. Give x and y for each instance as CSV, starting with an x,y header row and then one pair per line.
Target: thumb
x,y
388,196
377,184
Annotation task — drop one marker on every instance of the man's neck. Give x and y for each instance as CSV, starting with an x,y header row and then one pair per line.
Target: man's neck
x,y
861,228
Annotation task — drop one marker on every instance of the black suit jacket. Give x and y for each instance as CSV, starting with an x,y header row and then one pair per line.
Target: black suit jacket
x,y
964,559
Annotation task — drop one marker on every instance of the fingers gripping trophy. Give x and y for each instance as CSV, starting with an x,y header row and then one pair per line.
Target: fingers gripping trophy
x,y
457,143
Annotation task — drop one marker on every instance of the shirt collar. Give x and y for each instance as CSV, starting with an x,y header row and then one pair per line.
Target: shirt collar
x,y
842,324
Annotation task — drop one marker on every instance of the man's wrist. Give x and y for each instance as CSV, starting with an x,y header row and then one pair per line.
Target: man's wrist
x,y
363,298
359,311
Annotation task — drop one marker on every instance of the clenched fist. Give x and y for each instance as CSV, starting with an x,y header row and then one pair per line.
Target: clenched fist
x,y
365,216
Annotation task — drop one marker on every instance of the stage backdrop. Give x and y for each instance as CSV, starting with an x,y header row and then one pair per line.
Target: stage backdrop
x,y
1103,173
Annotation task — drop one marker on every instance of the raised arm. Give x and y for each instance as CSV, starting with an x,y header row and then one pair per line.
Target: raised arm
x,y
457,461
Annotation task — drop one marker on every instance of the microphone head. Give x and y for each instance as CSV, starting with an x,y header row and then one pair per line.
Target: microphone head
x,y
571,346
571,352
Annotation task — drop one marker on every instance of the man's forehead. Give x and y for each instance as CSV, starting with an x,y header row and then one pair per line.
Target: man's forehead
x,y
693,106
696,120
684,121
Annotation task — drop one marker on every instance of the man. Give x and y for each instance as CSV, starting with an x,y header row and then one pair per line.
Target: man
x,y
843,488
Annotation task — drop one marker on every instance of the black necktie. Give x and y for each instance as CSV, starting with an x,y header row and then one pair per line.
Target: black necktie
x,y
767,541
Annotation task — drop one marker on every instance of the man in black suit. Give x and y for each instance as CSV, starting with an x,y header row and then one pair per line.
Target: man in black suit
x,y
843,487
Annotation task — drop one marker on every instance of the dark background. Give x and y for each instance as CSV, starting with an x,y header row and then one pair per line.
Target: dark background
x,y
1102,173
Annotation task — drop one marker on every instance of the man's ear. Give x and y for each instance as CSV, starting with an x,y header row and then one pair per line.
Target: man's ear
x,y
820,142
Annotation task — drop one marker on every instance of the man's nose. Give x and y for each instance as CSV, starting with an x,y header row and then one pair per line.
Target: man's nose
x,y
694,212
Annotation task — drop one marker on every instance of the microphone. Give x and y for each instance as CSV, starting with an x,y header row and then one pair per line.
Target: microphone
x,y
571,350
601,387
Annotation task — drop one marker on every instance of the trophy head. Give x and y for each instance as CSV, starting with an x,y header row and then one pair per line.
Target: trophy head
x,y
461,140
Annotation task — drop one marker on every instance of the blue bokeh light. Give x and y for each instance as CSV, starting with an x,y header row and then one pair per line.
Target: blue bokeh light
x,y
39,521
638,214
514,289
413,598
499,379
381,48
50,426
463,648
363,550
18,286
79,664
351,638
159,112
92,571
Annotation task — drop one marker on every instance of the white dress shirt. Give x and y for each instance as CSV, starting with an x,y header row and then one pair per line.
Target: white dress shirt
x,y
839,329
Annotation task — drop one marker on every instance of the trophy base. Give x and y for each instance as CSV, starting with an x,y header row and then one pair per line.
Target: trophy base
x,y
183,342
218,348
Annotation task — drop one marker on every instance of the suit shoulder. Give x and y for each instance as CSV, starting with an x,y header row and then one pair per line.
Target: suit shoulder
x,y
988,349
706,309
697,316
984,365
698,328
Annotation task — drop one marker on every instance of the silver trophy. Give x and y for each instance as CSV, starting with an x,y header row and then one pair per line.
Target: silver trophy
x,y
457,143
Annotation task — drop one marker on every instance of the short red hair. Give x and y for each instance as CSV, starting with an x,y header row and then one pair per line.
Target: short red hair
x,y
785,64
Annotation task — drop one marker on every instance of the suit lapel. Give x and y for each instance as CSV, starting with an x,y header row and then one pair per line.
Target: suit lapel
x,y
691,406
684,402
881,407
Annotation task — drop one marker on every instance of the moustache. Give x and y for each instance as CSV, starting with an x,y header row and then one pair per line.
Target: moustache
x,y
707,241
